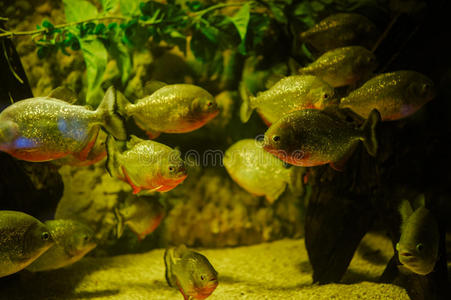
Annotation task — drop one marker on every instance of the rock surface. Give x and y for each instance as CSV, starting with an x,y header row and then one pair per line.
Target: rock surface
x,y
277,270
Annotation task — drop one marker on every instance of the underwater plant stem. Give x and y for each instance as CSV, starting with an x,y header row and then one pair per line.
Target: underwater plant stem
x,y
200,13
43,30
5,53
386,31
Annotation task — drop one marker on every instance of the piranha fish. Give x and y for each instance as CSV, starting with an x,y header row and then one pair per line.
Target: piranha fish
x,y
190,272
176,108
418,245
288,94
45,128
23,239
73,240
311,137
342,66
141,215
96,154
145,165
395,95
259,172
339,30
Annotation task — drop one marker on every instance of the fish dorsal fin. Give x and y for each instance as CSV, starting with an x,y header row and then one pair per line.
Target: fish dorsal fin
x,y
419,201
180,250
152,86
133,141
405,210
65,94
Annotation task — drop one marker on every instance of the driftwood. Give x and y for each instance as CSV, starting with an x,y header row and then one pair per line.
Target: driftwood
x,y
414,157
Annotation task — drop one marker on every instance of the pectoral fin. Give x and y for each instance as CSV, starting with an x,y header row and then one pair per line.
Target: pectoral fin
x,y
136,189
65,94
152,86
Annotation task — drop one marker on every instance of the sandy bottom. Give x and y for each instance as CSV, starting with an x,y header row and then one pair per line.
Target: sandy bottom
x,y
277,270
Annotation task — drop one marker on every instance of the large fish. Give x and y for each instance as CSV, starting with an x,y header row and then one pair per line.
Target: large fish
x,y
311,137
44,128
23,239
73,240
418,245
145,165
259,172
176,108
395,95
288,94
190,272
339,30
342,66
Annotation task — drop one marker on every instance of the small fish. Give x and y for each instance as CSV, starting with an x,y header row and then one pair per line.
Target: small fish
x,y
259,172
44,128
288,94
340,30
418,245
395,95
23,239
141,215
96,154
311,137
190,272
73,240
342,66
176,108
145,165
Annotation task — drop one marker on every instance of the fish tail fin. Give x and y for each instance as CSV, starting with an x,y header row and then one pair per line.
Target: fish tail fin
x,y
168,268
123,105
246,107
369,132
120,223
112,164
296,184
112,120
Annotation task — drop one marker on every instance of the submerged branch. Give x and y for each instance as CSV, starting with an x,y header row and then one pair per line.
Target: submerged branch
x,y
44,30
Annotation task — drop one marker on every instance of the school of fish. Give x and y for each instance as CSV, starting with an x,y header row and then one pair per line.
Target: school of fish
x,y
305,129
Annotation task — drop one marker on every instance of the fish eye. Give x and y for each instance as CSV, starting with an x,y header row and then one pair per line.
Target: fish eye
x,y
45,236
326,96
86,238
420,247
171,168
276,138
209,103
202,277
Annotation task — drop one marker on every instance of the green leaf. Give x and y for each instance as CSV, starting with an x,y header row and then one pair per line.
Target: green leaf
x,y
277,10
47,24
79,10
241,20
121,54
96,57
108,4
130,7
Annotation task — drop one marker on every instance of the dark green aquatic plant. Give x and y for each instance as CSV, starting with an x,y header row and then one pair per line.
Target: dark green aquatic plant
x,y
112,29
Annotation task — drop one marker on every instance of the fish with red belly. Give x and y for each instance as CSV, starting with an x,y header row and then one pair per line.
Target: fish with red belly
x,y
145,165
312,137
190,272
175,108
44,128
395,95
